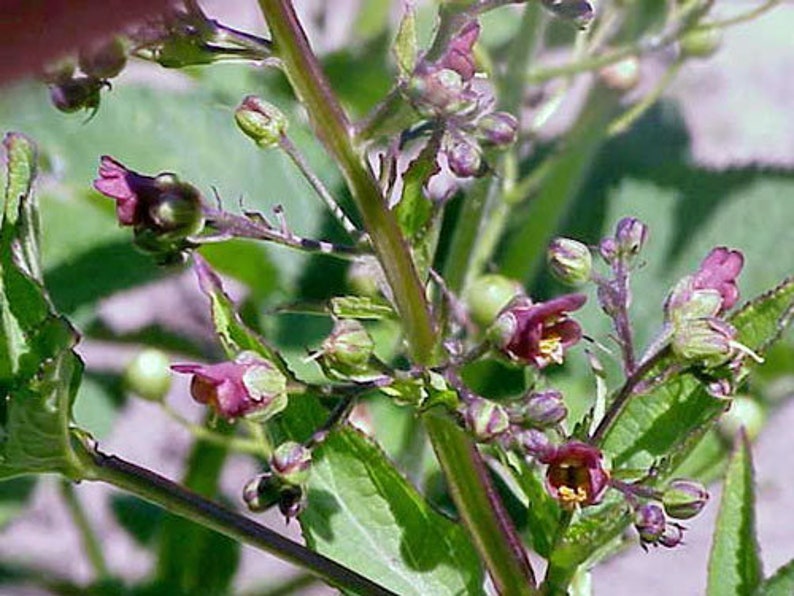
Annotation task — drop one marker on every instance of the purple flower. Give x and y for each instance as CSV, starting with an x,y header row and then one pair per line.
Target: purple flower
x,y
459,55
126,187
538,334
719,271
247,386
576,475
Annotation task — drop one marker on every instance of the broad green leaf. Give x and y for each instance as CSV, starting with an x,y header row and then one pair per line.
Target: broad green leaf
x,y
365,515
780,584
405,44
361,307
735,564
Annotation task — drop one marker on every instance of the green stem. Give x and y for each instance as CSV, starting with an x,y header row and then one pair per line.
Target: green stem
x,y
481,510
335,132
182,502
91,543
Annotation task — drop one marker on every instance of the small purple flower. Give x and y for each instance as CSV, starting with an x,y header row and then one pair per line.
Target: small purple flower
x,y
538,334
576,475
650,522
719,271
125,186
459,55
247,386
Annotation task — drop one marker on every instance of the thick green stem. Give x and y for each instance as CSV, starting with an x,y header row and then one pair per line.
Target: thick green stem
x,y
462,464
334,130
182,502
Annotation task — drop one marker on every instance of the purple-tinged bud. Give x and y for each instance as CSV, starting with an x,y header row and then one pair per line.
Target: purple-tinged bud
x,y
248,386
104,60
464,158
608,249
534,443
672,536
485,419
621,76
488,295
701,42
459,55
630,236
570,261
576,475
148,375
538,334
80,93
719,271
710,341
435,91
745,413
579,12
540,408
610,298
291,462
261,492
684,499
292,501
347,351
498,128
263,122
650,522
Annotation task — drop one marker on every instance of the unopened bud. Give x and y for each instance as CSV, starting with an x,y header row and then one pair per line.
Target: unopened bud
x,y
291,461
745,413
59,72
435,92
261,492
630,235
465,159
498,128
105,60
707,340
702,42
148,375
541,408
485,419
684,499
488,295
261,121
621,76
80,93
534,443
579,12
347,351
292,501
175,210
570,261
650,523
672,536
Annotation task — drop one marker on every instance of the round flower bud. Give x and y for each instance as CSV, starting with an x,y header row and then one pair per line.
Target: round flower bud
x,y
570,261
745,413
702,42
464,158
347,351
534,443
650,523
261,492
175,210
630,235
292,501
261,121
105,60
621,76
488,295
291,462
684,499
672,536
485,419
148,375
579,12
708,341
498,128
541,408
76,94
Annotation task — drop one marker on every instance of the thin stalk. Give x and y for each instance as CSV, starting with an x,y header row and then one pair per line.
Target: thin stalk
x,y
335,132
180,501
91,543
322,191
627,119
746,16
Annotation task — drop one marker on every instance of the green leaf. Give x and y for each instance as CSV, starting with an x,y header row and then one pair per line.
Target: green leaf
x,y
780,584
14,495
365,515
405,44
361,307
415,209
139,518
735,564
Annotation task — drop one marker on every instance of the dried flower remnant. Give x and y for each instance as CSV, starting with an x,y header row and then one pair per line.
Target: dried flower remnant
x,y
538,333
576,475
247,386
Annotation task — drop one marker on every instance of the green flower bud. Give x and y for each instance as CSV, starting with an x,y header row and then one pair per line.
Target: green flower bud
x,y
709,341
485,419
347,351
148,375
291,462
570,261
262,492
488,295
261,121
498,128
702,42
175,210
105,60
745,413
80,93
684,499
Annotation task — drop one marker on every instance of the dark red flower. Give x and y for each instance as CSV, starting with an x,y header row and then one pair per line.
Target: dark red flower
x,y
539,334
126,187
719,271
576,475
